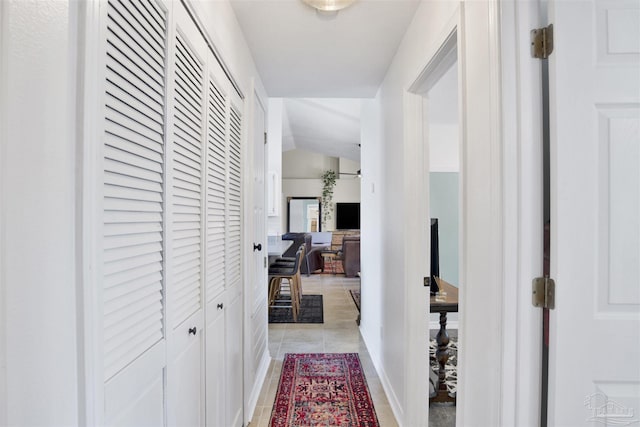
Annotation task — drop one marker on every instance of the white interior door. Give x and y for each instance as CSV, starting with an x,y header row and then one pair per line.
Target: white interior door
x,y
217,159
595,212
132,303
257,335
234,310
185,236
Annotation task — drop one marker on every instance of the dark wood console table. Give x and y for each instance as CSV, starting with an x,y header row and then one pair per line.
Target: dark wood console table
x,y
449,305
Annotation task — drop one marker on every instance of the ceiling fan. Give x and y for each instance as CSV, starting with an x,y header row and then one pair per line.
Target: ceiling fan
x,y
357,174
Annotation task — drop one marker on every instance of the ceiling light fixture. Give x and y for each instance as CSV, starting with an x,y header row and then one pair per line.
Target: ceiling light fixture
x,y
329,5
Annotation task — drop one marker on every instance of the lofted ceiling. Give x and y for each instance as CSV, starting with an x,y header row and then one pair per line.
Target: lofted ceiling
x,y
326,126
305,57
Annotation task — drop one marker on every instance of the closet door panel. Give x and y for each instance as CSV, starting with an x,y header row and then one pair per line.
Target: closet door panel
x,y
134,345
234,196
216,389
235,312
217,110
186,212
187,171
216,304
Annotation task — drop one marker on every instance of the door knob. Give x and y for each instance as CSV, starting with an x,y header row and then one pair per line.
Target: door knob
x,y
257,247
192,331
220,306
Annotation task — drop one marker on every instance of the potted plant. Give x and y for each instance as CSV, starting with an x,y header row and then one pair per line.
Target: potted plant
x,y
328,184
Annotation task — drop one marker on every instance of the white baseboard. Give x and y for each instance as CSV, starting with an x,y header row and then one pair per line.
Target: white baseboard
x,y
396,408
261,375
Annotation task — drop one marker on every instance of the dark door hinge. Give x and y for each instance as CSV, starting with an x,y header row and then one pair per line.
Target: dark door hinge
x,y
542,42
544,293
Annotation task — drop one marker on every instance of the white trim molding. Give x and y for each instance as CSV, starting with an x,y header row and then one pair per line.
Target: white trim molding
x,y
522,192
441,57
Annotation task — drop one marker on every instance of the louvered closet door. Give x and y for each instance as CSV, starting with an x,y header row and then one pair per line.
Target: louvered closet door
x,y
134,147
187,183
186,213
234,311
217,153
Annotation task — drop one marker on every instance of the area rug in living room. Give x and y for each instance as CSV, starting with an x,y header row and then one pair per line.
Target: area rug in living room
x,y
311,311
323,389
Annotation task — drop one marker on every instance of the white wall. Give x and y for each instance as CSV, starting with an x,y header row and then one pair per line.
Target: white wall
x,y
38,207
443,147
306,164
442,119
479,385
301,171
274,163
348,166
383,154
3,339
372,234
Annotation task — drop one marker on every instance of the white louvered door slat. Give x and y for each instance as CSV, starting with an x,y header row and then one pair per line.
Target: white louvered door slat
x,y
187,181
216,190
234,213
133,195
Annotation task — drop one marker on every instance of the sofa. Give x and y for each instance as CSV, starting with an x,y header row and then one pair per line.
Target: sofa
x,y
313,258
350,255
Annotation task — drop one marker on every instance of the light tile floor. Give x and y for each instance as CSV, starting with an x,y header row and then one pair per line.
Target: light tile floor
x,y
338,334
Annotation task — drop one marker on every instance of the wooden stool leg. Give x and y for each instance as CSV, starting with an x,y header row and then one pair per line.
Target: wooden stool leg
x,y
274,289
295,306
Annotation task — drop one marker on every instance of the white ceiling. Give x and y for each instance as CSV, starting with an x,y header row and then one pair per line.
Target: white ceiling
x,y
300,53
326,126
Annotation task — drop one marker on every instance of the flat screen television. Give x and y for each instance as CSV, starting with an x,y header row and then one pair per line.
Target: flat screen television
x,y
435,255
347,216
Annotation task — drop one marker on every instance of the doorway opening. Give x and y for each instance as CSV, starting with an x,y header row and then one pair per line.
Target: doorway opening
x,y
306,138
442,132
438,110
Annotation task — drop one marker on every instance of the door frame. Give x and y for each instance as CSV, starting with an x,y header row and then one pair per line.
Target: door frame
x,y
515,125
523,228
447,50
253,387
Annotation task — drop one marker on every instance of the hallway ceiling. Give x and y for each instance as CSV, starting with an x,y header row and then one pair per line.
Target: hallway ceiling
x,y
304,56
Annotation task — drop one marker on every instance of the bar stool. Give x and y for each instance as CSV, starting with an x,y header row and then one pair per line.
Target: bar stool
x,y
289,271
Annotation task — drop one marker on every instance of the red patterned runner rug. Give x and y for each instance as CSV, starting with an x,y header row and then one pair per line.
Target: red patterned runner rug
x,y
323,389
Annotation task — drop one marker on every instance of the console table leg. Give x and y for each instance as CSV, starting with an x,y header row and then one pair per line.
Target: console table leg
x,y
442,353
